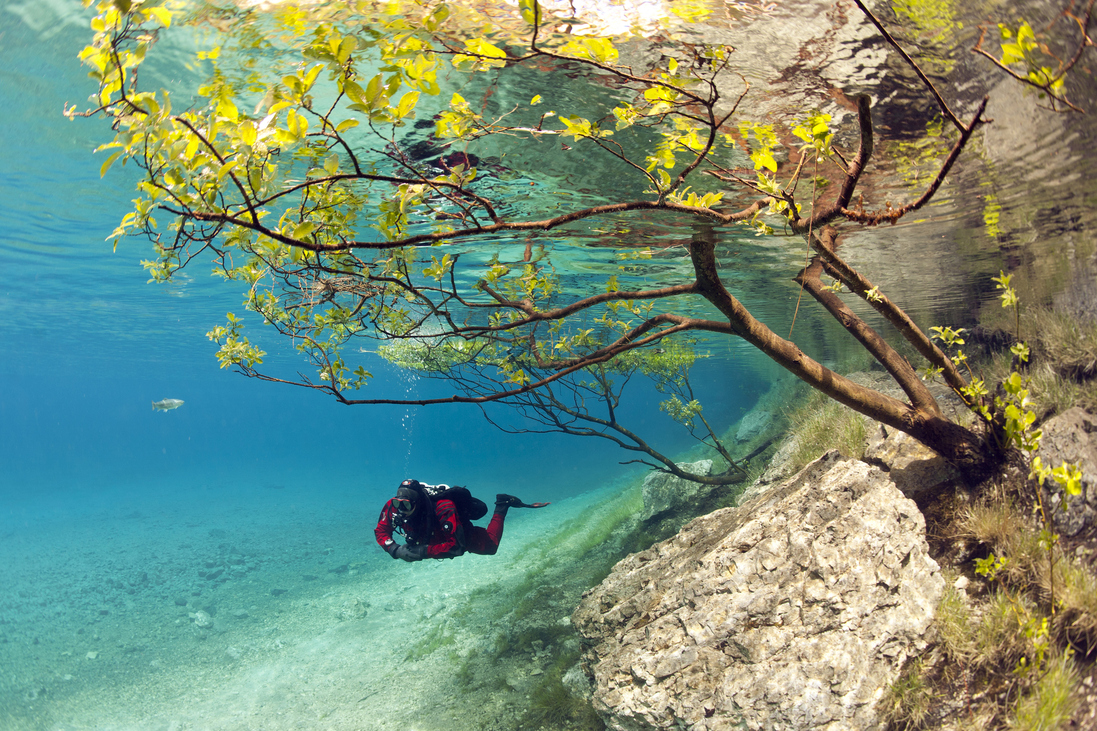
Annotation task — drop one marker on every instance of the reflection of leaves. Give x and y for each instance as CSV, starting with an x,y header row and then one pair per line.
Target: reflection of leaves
x,y
918,162
691,11
934,18
933,23
992,212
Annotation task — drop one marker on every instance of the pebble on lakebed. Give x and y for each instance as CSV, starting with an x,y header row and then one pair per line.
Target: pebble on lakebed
x,y
201,619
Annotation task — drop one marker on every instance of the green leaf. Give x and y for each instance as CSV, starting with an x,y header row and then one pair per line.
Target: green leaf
x,y
600,50
345,125
530,11
310,77
304,229
483,48
227,168
228,110
1011,53
436,18
406,104
248,133
1069,476
664,179
481,55
109,161
161,14
764,159
356,93
374,96
577,127
346,47
660,94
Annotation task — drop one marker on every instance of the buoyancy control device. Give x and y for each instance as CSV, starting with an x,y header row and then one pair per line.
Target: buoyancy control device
x,y
468,507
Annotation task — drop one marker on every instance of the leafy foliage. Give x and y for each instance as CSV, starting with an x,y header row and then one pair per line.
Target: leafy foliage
x,y
1027,636
304,170
1030,59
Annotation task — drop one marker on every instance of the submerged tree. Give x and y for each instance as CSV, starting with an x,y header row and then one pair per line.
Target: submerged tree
x,y
323,168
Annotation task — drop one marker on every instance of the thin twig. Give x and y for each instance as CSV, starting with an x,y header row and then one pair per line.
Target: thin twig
x,y
906,57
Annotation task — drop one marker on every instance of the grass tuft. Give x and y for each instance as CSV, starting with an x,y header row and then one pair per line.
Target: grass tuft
x,y
821,425
999,637
435,639
553,706
1069,344
997,523
954,625
1052,700
907,701
1076,589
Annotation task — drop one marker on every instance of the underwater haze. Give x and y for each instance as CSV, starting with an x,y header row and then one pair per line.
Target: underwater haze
x,y
213,566
115,517
88,344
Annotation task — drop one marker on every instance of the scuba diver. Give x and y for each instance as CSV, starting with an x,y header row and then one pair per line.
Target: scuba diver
x,y
437,520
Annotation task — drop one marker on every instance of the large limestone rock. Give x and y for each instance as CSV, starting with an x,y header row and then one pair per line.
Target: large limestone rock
x,y
754,424
663,491
1072,437
918,471
792,611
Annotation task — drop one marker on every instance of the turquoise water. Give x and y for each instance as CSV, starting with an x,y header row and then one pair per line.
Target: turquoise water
x,y
110,512
87,344
254,503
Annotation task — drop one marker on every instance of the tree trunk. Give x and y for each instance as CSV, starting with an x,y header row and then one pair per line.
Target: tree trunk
x,y
964,448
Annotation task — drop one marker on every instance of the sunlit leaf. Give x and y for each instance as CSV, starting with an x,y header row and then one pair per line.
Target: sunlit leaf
x,y
406,104
107,163
248,133
227,168
436,18
530,11
161,14
303,230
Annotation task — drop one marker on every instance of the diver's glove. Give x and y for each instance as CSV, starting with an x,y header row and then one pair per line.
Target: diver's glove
x,y
410,553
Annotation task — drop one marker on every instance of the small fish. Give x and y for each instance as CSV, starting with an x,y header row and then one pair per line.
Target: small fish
x,y
167,404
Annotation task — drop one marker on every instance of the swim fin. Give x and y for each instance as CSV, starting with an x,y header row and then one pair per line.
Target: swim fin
x,y
512,502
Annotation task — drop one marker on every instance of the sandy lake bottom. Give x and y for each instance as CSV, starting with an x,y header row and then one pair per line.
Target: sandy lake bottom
x,y
267,609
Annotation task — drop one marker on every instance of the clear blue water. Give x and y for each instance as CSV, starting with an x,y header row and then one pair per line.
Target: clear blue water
x,y
96,487
87,344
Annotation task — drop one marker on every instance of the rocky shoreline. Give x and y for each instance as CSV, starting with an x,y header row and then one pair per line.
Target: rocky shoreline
x,y
791,611
800,607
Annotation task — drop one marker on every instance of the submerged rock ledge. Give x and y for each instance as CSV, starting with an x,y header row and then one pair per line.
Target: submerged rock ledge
x,y
793,611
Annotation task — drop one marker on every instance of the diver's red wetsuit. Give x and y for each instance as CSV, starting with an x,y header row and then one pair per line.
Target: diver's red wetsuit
x,y
446,535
